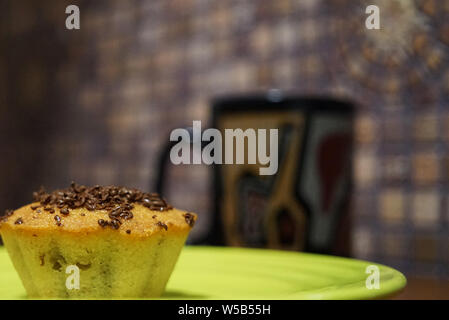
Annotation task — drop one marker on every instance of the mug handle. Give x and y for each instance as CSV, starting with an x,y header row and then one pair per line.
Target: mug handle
x,y
163,162
164,158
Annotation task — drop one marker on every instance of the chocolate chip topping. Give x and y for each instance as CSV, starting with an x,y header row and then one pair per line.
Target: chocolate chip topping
x,y
162,225
7,214
50,209
102,223
189,219
18,221
58,220
118,201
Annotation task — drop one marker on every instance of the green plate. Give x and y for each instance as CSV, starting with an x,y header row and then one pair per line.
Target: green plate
x,y
237,273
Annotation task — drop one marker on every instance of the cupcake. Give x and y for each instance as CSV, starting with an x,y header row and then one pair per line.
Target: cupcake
x,y
95,242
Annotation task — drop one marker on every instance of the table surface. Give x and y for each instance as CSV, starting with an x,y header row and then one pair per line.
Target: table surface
x,y
424,288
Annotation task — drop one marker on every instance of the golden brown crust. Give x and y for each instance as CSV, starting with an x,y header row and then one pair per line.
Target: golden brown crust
x,y
145,221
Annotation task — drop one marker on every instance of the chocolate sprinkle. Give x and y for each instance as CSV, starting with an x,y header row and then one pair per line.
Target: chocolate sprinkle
x,y
128,231
117,201
102,223
58,220
162,225
189,219
50,209
115,223
7,214
18,221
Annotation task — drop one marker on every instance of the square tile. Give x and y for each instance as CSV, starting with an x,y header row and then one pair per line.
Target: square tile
x,y
445,118
426,209
284,73
425,248
394,245
309,31
395,169
283,7
286,37
425,168
392,205
425,128
365,168
261,39
363,243
392,129
310,66
243,75
364,207
365,129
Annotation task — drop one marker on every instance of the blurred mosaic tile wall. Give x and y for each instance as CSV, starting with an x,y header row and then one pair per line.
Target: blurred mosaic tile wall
x,y
96,105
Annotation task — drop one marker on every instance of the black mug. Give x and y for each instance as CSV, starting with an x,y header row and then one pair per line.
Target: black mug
x,y
305,205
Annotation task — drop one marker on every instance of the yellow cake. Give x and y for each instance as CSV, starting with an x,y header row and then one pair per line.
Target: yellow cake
x,y
97,242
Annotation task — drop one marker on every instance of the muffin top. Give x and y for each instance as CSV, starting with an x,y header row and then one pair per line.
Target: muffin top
x,y
81,209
